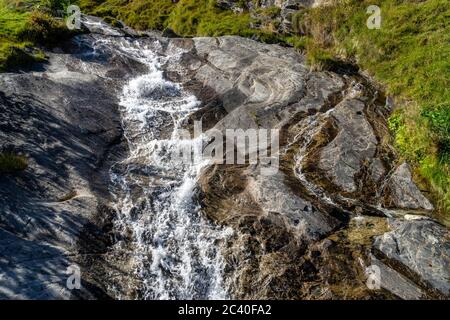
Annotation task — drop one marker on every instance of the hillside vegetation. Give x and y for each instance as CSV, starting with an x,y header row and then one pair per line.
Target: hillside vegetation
x,y
184,17
24,27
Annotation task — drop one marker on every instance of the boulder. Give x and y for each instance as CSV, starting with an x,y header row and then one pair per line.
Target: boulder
x,y
402,192
420,248
354,144
393,281
302,218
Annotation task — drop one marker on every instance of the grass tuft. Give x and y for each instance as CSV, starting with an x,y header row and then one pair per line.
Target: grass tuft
x,y
25,25
12,163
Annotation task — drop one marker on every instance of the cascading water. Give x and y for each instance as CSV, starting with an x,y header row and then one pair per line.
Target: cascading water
x,y
176,250
310,127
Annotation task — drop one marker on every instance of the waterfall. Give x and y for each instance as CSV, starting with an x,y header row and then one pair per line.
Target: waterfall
x,y
177,253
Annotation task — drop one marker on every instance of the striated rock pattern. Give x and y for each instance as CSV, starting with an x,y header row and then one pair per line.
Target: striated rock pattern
x,y
335,207
333,169
354,144
422,248
403,192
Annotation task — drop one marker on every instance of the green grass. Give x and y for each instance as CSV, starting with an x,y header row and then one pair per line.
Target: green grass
x,y
410,55
202,17
12,163
297,42
185,17
11,20
138,14
25,25
11,23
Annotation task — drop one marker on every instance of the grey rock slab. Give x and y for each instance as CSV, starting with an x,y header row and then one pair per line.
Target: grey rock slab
x,y
250,77
63,117
422,246
396,283
403,193
30,269
302,217
355,143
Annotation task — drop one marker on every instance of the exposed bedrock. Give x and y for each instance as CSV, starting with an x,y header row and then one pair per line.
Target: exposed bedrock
x,y
421,248
63,118
403,193
264,14
354,143
339,203
298,231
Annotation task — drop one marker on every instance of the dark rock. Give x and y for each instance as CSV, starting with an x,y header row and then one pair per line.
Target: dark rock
x,y
169,33
395,282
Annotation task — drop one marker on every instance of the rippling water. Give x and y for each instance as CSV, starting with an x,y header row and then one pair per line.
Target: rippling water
x,y
176,250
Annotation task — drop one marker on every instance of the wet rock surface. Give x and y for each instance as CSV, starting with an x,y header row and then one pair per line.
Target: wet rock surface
x,y
333,169
421,247
63,118
309,231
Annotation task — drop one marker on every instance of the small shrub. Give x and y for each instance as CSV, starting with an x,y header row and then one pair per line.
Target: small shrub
x,y
439,121
56,5
44,29
297,20
11,163
270,12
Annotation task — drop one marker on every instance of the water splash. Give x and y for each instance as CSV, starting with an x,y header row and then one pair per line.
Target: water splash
x,y
176,250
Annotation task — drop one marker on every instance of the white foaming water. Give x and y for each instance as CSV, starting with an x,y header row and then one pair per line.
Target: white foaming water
x,y
176,250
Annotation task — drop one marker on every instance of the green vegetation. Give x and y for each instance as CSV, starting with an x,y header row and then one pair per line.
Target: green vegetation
x,y
26,25
197,17
185,17
410,55
68,196
11,22
11,163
